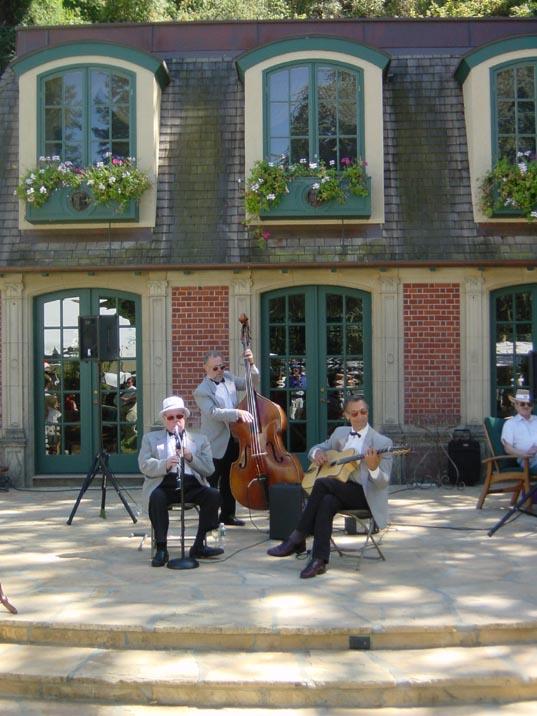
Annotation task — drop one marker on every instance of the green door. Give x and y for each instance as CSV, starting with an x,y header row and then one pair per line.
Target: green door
x,y
84,406
316,350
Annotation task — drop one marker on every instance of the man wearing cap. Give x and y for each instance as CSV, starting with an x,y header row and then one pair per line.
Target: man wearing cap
x,y
160,461
217,400
519,433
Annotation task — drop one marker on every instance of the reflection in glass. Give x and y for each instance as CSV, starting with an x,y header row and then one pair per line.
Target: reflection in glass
x,y
53,416
71,374
297,339
128,438
334,339
334,308
334,372
335,404
504,308
276,310
70,312
51,315
354,310
127,312
523,306
277,373
277,340
355,373
279,397
354,340
52,343
71,412
109,438
297,437
297,405
297,308
70,343
72,439
127,342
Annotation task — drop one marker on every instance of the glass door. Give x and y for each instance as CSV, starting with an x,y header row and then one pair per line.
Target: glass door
x,y
316,349
85,405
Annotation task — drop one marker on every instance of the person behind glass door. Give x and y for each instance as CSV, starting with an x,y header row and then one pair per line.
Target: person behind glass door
x,y
366,488
217,399
159,461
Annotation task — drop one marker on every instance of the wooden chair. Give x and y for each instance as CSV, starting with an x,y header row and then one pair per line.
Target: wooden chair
x,y
504,474
174,531
368,528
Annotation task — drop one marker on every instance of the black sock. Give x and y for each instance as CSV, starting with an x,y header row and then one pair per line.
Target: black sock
x,y
162,545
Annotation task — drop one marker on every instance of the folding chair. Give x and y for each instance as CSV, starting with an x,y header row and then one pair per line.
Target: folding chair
x,y
174,531
504,474
368,528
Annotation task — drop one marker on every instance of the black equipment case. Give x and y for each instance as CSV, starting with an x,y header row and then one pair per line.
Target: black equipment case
x,y
464,455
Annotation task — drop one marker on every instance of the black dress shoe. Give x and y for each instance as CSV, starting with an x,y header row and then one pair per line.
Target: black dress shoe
x,y
205,552
286,548
233,522
313,568
160,558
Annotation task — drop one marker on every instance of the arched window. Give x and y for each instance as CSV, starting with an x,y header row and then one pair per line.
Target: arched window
x,y
314,113
514,94
87,114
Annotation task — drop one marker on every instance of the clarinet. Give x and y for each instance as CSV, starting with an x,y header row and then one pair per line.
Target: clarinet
x,y
180,454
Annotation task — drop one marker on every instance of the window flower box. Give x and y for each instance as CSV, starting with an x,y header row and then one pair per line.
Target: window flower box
x,y
300,202
71,205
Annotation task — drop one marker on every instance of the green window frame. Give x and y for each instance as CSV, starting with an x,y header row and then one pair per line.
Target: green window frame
x,y
313,111
514,102
86,113
513,333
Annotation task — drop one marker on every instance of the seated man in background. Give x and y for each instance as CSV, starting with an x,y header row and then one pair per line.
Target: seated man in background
x,y
366,487
519,433
160,461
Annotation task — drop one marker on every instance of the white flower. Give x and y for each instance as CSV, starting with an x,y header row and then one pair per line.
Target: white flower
x,y
102,187
313,165
316,185
271,164
332,162
523,167
90,182
55,158
100,164
30,192
111,180
534,214
324,180
303,161
41,159
271,197
43,190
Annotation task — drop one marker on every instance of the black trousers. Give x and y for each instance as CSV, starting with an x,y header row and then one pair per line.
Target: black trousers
x,y
328,496
207,498
220,479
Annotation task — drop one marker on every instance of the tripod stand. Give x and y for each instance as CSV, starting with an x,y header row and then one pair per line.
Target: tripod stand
x,y
182,562
100,464
517,507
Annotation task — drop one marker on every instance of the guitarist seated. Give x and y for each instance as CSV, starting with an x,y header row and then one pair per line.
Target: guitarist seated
x,y
366,487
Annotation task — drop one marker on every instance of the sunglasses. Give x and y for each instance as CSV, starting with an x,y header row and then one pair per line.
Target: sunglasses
x,y
355,413
174,417
526,405
219,367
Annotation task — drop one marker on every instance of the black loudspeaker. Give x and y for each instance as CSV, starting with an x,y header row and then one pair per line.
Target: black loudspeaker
x,y
108,337
88,337
98,337
285,505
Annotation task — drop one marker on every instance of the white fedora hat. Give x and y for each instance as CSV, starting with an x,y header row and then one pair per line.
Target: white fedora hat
x,y
174,402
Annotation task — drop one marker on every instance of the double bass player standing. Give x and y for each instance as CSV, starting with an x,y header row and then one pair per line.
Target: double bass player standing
x,y
217,399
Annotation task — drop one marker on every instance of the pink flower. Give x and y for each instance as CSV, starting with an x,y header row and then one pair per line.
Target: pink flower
x,y
265,235
346,161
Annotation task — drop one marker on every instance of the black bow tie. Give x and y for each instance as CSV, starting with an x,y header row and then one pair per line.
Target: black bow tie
x,y
217,382
354,433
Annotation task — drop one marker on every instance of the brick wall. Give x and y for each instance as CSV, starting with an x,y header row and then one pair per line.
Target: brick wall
x,y
432,353
199,324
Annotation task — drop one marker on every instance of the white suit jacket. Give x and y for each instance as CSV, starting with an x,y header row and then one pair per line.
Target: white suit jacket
x,y
375,489
154,454
215,417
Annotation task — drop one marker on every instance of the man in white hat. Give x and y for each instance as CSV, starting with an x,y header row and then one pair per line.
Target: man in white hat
x,y
160,461
519,434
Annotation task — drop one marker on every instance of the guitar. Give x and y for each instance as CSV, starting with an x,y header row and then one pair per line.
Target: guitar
x,y
340,464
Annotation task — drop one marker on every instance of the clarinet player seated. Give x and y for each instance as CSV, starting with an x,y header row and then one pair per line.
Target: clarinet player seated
x,y
160,462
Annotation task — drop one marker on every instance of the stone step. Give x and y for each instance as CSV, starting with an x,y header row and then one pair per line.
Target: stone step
x,y
296,679
32,707
75,481
251,639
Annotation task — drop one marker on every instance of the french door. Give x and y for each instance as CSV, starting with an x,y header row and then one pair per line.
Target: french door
x,y
82,405
316,350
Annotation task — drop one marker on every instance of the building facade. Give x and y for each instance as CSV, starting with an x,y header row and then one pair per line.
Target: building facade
x,y
410,294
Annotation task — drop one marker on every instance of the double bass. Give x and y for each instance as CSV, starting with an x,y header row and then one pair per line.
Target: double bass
x,y
263,460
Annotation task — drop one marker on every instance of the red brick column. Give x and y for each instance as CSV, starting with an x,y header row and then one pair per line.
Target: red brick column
x,y
432,365
199,324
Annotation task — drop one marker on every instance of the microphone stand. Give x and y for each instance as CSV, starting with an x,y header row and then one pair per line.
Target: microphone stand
x,y
182,562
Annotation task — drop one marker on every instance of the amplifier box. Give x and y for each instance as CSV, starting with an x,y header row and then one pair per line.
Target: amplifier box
x,y
285,505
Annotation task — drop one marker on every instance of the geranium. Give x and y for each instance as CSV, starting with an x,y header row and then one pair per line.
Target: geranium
x,y
116,181
511,186
269,182
37,185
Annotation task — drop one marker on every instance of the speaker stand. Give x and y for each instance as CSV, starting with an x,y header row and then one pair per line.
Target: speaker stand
x,y
100,464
